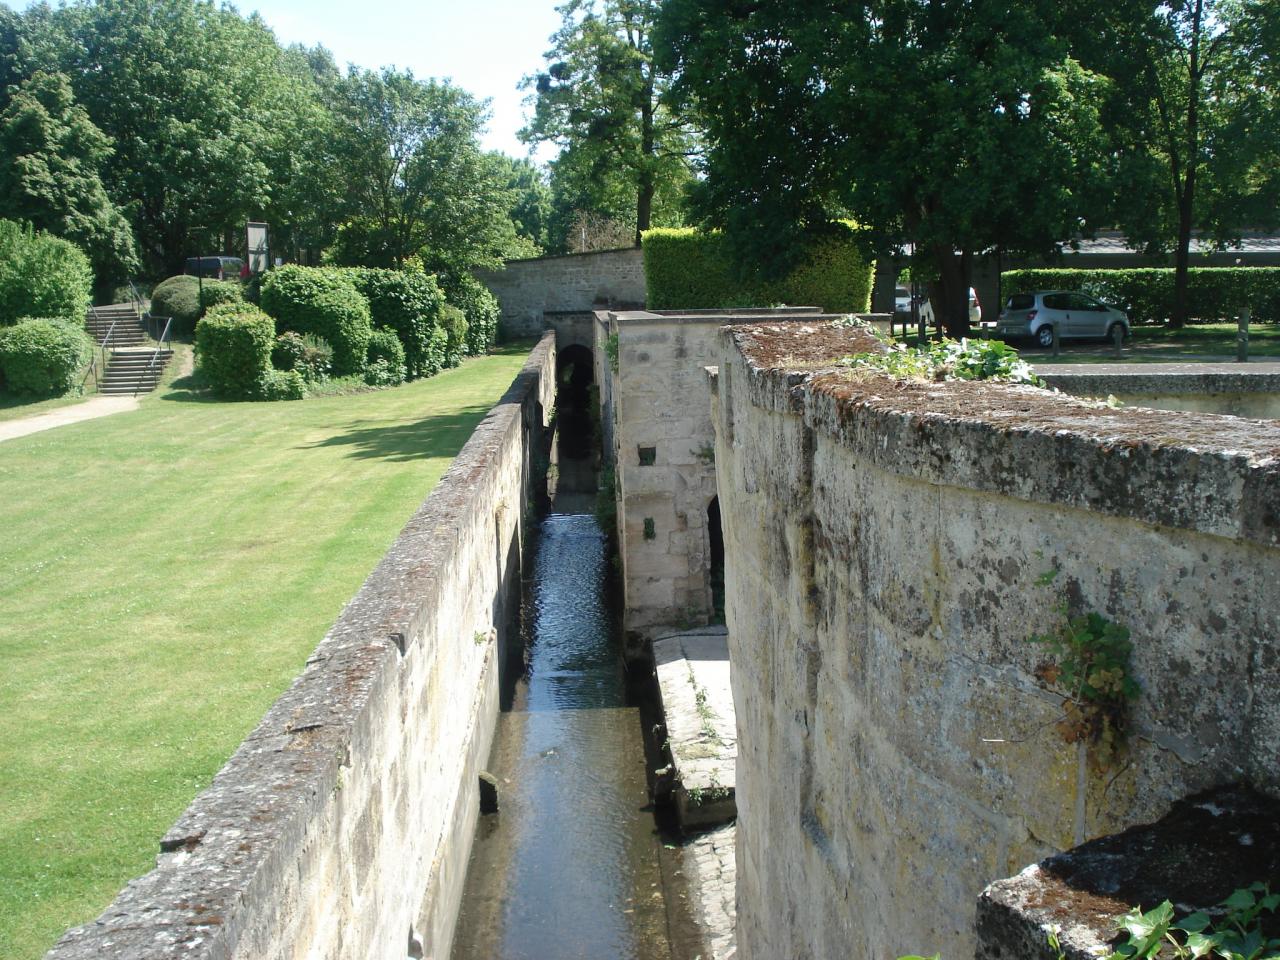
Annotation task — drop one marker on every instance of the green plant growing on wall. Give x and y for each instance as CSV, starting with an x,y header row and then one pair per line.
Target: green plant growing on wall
x,y
611,351
1089,665
949,360
1237,936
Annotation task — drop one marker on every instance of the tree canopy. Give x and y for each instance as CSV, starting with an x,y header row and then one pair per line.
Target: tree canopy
x,y
951,126
601,100
51,155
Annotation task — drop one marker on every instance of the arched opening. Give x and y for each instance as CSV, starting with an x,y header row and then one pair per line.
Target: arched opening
x,y
574,378
715,576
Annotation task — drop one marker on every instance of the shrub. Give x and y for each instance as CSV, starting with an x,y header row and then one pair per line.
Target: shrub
x,y
478,305
380,373
408,303
1213,293
220,291
385,346
323,302
178,298
689,269
41,276
233,348
454,324
310,355
43,356
282,385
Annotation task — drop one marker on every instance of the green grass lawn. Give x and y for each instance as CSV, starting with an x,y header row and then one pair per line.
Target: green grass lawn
x,y
164,573
1200,342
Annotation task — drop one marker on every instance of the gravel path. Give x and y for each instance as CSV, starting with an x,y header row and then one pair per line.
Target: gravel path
x,y
89,410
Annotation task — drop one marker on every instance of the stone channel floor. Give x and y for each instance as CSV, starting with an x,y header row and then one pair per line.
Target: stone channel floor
x,y
711,872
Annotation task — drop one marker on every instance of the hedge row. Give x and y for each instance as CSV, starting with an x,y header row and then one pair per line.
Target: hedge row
x,y
43,356
323,302
690,269
41,276
478,305
1214,294
408,303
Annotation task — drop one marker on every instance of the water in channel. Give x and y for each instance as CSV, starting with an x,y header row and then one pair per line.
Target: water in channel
x,y
572,864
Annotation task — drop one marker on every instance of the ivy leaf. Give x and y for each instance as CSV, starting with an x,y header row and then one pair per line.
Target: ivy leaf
x,y
1195,923
1240,900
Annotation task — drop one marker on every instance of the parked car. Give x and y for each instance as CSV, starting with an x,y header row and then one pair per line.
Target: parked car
x,y
1077,314
975,309
901,300
217,267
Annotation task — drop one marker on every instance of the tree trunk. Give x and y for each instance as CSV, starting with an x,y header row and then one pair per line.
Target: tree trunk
x,y
1182,259
645,177
950,292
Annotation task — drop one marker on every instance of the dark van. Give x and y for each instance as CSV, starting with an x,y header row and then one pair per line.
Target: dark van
x,y
219,268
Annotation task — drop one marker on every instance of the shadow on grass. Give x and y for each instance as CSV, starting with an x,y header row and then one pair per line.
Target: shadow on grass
x,y
437,436
190,389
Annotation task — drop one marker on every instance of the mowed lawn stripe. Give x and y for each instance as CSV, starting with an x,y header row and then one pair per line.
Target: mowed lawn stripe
x,y
164,574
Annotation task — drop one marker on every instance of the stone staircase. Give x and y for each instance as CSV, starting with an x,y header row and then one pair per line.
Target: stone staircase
x,y
134,365
134,370
127,330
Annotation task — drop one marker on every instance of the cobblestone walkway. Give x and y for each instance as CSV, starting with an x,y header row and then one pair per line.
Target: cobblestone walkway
x,y
712,874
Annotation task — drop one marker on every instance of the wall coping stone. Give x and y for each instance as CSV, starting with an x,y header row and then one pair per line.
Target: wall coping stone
x,y
1208,472
225,853
1164,378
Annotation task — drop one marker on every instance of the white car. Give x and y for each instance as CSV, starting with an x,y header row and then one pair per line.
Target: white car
x,y
1077,315
975,310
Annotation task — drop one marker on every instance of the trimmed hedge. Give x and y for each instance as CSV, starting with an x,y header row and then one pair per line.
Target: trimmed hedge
x,y
233,349
408,303
43,356
41,276
687,269
1214,294
478,305
221,291
179,299
324,302
454,323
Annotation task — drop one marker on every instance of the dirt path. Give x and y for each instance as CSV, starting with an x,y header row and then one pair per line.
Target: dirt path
x,y
89,410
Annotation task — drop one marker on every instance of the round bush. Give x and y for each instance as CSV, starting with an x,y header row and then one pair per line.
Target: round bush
x,y
287,351
478,305
454,323
233,349
385,346
41,276
43,356
323,302
220,291
407,302
178,298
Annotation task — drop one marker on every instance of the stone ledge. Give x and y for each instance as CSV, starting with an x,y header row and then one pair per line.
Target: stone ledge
x,y
1207,472
1205,848
1163,378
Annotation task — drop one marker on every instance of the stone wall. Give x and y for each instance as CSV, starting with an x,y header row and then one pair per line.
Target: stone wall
x,y
659,410
341,827
885,543
528,290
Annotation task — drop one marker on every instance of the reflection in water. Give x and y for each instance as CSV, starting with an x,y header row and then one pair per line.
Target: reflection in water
x,y
569,867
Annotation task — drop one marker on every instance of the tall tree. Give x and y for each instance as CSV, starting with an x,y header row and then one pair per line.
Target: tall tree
x,y
531,209
418,182
951,125
50,158
601,98
1193,119
190,94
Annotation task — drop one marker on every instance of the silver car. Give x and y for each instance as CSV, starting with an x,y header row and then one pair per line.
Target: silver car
x,y
1077,315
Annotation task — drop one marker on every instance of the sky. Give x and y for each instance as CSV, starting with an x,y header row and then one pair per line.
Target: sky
x,y
484,46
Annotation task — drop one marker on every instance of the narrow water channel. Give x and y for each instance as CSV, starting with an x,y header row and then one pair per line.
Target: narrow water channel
x,y
571,866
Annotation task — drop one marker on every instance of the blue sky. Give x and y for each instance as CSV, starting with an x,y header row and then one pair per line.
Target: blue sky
x,y
485,46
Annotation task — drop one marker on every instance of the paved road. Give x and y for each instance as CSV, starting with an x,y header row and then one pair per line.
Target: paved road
x,y
89,410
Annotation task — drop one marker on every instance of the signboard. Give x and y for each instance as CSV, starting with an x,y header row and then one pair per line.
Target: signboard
x,y
257,246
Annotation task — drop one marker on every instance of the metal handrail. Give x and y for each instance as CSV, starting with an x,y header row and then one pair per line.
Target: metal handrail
x,y
168,322
136,297
93,366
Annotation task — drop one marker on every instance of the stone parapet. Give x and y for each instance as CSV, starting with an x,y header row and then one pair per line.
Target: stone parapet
x,y
342,825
